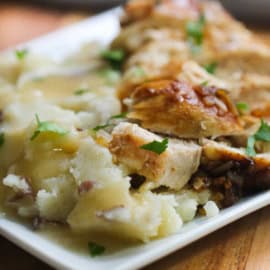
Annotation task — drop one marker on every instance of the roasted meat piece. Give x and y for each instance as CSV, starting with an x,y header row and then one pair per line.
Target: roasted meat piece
x,y
172,168
176,108
232,174
158,38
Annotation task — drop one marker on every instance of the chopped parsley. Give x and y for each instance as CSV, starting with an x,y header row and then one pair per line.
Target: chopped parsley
x,y
21,54
108,123
262,134
250,146
156,147
121,115
211,67
97,128
115,57
80,92
205,83
138,71
95,249
46,126
195,33
110,75
2,138
242,107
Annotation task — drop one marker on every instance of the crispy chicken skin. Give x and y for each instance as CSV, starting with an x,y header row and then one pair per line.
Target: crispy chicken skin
x,y
172,168
152,27
176,108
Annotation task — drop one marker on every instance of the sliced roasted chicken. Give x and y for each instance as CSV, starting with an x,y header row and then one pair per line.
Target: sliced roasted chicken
x,y
156,60
255,91
241,58
145,22
195,74
171,168
176,108
230,172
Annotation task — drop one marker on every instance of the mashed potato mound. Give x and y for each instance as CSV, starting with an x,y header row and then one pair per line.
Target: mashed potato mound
x,y
56,122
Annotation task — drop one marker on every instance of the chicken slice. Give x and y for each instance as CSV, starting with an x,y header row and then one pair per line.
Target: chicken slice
x,y
241,58
231,173
176,108
172,168
156,60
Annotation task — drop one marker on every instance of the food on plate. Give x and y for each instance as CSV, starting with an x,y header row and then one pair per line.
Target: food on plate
x,y
177,108
171,167
168,123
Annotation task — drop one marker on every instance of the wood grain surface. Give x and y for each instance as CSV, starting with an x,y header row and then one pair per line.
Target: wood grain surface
x,y
244,244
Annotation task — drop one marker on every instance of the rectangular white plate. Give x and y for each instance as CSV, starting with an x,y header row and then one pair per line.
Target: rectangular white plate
x,y
59,44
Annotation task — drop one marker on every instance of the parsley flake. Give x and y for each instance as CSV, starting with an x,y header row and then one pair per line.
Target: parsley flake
x,y
2,138
110,75
95,249
114,57
138,71
121,115
195,33
80,92
46,126
156,147
262,134
97,128
250,146
21,54
242,107
211,68
108,124
205,83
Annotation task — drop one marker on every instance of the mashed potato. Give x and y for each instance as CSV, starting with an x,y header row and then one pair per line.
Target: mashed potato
x,y
55,168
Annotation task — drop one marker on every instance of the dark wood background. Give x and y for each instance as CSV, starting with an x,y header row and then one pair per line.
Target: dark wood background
x,y
244,244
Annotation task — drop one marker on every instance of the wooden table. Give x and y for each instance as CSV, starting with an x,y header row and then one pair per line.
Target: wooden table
x,y
244,244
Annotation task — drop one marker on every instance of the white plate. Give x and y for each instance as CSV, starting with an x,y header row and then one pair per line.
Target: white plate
x,y
59,44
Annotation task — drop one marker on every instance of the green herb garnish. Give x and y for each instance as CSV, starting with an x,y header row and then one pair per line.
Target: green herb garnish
x,y
156,147
97,128
250,146
95,249
195,33
138,72
114,57
108,124
121,115
262,134
205,83
80,92
46,126
211,68
20,54
112,76
242,107
2,138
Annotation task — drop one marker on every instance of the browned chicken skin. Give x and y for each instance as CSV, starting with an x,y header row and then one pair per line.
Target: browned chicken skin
x,y
176,108
157,30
